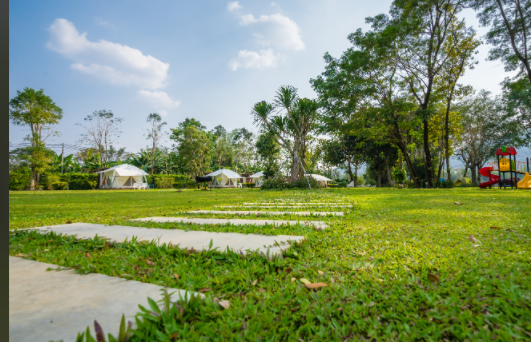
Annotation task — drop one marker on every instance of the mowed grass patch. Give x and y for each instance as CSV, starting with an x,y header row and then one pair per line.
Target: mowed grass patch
x,y
404,265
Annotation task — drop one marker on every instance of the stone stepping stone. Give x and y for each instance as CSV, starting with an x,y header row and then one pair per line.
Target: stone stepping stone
x,y
281,206
301,213
198,240
57,305
295,203
315,224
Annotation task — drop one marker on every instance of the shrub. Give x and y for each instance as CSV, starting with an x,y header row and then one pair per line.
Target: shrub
x,y
443,184
399,175
19,180
80,181
282,182
184,183
59,186
248,185
164,182
50,179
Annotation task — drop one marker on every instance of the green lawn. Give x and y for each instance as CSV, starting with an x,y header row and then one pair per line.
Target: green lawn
x,y
400,265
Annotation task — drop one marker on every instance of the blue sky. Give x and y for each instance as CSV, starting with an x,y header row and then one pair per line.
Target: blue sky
x,y
211,60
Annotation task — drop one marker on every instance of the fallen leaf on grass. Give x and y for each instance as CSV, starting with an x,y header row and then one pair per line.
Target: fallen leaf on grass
x,y
288,270
204,289
458,203
320,272
224,304
149,262
68,222
254,282
473,239
293,279
315,285
261,290
495,227
20,255
46,250
176,276
433,278
305,281
371,304
510,230
174,336
87,255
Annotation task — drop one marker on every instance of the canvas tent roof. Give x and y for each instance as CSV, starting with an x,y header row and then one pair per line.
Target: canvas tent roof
x,y
319,177
257,175
126,170
227,173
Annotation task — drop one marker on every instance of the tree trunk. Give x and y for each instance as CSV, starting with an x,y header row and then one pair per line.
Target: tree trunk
x,y
447,139
38,182
32,179
405,152
427,152
389,177
473,169
379,175
466,170
355,175
439,170
350,171
295,162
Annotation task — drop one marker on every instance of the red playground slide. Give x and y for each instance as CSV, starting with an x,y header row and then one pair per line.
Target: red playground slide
x,y
493,179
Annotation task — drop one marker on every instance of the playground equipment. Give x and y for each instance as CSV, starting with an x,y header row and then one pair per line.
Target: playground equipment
x,y
504,165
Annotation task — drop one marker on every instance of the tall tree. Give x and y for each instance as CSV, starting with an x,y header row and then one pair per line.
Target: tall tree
x,y
155,133
510,31
102,130
422,30
34,109
295,121
269,152
194,149
345,149
484,131
363,94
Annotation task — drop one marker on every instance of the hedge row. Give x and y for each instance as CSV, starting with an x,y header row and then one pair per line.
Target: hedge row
x,y
87,181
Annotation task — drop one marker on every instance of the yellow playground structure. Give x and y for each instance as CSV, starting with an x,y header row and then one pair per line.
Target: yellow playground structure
x,y
504,165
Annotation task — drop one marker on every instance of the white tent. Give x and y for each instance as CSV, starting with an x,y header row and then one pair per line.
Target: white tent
x,y
224,178
321,180
122,176
257,178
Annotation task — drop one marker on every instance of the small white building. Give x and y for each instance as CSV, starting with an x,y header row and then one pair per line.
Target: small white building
x,y
224,178
257,178
123,176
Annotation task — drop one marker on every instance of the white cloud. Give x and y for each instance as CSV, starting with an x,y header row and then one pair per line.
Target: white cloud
x,y
111,62
159,99
163,113
99,21
231,6
275,30
254,60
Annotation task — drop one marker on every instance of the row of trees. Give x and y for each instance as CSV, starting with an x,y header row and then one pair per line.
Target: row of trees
x,y
392,101
394,97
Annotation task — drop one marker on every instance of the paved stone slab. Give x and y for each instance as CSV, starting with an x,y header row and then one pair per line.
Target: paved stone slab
x,y
57,305
282,206
315,224
296,203
301,213
198,240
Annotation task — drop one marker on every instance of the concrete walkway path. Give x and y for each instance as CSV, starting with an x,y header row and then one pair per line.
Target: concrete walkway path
x,y
198,240
57,305
315,224
301,213
295,203
282,206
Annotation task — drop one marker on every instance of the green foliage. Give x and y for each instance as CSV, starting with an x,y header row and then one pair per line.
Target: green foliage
x,y
248,185
50,179
445,184
194,149
281,182
79,181
399,175
59,185
19,180
164,183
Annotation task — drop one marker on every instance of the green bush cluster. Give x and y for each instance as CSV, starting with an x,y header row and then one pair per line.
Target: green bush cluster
x,y
164,183
249,185
443,184
282,182
59,185
19,180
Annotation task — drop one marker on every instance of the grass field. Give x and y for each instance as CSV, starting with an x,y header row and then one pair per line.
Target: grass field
x,y
400,265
